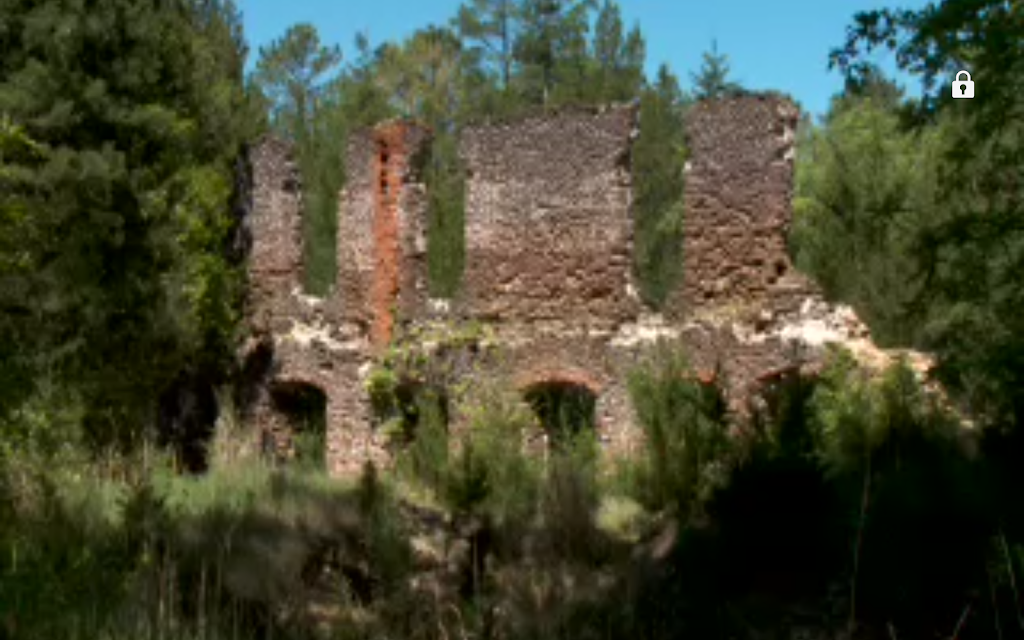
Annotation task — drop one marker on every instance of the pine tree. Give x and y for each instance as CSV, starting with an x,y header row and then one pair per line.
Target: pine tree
x,y
970,247
120,205
862,183
618,57
491,28
551,51
712,80
293,74
658,159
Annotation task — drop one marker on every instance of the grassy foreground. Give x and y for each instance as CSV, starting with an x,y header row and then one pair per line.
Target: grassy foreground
x,y
848,507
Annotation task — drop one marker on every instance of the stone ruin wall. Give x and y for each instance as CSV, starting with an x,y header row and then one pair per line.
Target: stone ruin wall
x,y
548,262
738,190
296,341
738,282
548,225
274,227
549,240
382,267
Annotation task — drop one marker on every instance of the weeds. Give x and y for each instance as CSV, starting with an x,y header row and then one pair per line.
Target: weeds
x,y
685,428
852,498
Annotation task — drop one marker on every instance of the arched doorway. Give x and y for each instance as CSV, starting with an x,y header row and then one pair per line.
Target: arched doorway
x,y
565,408
304,407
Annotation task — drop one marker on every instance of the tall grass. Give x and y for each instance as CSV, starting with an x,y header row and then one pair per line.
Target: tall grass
x,y
236,553
684,423
852,505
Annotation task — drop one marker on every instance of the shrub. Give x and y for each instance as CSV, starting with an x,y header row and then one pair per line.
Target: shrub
x,y
425,458
684,421
918,505
490,473
569,502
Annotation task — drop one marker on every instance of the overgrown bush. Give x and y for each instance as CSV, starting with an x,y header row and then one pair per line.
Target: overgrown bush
x,y
684,422
425,459
921,521
851,503
570,499
238,553
490,473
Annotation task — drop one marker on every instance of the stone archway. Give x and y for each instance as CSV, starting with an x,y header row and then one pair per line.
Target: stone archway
x,y
565,404
302,434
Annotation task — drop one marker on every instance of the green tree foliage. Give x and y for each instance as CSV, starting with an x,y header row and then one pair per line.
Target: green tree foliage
x,y
684,424
357,96
864,185
659,156
971,249
551,51
712,80
293,75
122,123
490,28
618,56
16,266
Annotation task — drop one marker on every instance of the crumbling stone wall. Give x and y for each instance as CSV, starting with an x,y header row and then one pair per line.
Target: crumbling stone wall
x,y
275,232
549,264
549,247
737,200
548,227
329,344
382,266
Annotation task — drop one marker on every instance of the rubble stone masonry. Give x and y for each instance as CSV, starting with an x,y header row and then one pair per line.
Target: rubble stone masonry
x,y
548,226
549,236
737,198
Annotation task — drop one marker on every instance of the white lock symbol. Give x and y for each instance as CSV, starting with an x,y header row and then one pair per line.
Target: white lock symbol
x,y
963,88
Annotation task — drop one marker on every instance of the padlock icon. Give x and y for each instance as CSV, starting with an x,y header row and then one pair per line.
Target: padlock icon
x,y
963,88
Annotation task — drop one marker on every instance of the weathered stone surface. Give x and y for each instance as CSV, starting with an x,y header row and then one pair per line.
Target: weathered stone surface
x,y
549,238
737,196
382,230
275,230
548,226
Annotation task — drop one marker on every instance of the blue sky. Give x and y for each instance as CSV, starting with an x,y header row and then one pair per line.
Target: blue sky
x,y
772,44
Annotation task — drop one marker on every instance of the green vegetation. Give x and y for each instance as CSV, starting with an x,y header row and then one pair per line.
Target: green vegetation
x,y
864,493
683,423
849,505
864,184
712,81
659,156
918,202
115,212
497,58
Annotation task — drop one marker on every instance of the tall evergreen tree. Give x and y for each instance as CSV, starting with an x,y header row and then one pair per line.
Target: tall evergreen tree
x,y
619,57
490,28
293,74
135,112
971,248
864,184
712,80
551,51
659,156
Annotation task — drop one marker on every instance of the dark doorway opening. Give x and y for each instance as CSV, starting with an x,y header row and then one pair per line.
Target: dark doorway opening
x,y
188,413
416,405
305,407
565,409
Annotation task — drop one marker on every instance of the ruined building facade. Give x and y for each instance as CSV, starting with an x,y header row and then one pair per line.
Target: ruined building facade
x,y
548,265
